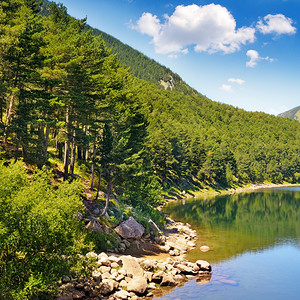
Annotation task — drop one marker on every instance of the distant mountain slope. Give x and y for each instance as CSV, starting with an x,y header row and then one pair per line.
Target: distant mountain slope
x,y
293,113
144,67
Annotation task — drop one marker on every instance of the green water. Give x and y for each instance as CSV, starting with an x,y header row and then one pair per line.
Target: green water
x,y
254,240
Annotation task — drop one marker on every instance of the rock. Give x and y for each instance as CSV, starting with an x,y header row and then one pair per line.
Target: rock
x,y
68,286
179,278
131,266
126,243
152,286
94,225
168,280
122,272
161,266
104,269
148,264
92,255
96,275
78,295
102,255
130,229
174,252
122,247
123,283
114,265
107,287
113,271
120,277
66,279
148,276
157,277
79,286
203,265
87,289
114,259
106,275
204,248
65,297
191,244
136,244
138,285
122,295
185,269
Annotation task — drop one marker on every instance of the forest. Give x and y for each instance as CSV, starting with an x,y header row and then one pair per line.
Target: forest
x,y
70,107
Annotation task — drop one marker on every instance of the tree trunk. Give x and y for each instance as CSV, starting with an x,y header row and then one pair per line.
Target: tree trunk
x,y
60,150
1,110
9,115
108,190
46,141
93,166
98,188
67,146
79,153
73,154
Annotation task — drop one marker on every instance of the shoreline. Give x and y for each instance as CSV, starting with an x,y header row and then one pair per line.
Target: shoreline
x,y
204,193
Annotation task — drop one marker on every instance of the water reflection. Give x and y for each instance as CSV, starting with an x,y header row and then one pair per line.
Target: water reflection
x,y
233,224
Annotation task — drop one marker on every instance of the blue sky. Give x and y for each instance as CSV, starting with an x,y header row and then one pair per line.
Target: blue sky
x,y
244,53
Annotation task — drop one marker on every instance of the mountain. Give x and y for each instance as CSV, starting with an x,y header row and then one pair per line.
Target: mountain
x,y
293,113
144,67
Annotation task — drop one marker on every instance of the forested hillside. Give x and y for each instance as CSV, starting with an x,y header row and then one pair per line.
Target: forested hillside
x,y
144,67
293,113
62,87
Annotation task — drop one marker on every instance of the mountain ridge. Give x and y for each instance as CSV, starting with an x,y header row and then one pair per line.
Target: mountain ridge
x,y
293,113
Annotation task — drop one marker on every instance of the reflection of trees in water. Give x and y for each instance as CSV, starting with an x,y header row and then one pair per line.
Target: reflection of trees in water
x,y
233,224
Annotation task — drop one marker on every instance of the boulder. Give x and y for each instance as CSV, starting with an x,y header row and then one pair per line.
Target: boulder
x,y
107,287
94,226
186,269
130,229
157,277
96,275
131,266
138,285
203,265
168,280
204,248
121,295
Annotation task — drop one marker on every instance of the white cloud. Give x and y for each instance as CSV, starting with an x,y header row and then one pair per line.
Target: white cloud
x,y
236,80
226,87
148,24
254,58
209,28
278,24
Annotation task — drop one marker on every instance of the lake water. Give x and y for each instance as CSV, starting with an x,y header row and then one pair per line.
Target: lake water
x,y
255,245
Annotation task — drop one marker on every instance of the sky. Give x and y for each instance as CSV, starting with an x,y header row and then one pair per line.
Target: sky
x,y
244,53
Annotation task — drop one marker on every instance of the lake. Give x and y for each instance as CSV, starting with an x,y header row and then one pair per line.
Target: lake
x,y
254,240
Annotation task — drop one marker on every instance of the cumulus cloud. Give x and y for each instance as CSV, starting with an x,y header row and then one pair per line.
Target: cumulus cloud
x,y
209,28
236,80
278,24
254,58
226,87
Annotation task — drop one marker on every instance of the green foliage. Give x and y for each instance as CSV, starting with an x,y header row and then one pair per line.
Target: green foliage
x,y
38,227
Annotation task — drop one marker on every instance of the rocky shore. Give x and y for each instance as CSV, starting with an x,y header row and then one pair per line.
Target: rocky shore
x,y
119,276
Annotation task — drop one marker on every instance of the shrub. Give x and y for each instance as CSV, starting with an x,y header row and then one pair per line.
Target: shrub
x,y
38,228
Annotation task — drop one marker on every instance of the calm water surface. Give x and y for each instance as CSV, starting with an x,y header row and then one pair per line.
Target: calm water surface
x,y
255,242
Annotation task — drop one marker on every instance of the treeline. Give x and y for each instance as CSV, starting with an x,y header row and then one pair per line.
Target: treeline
x,y
62,88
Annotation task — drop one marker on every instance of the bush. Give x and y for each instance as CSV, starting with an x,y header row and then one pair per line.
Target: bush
x,y
38,229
